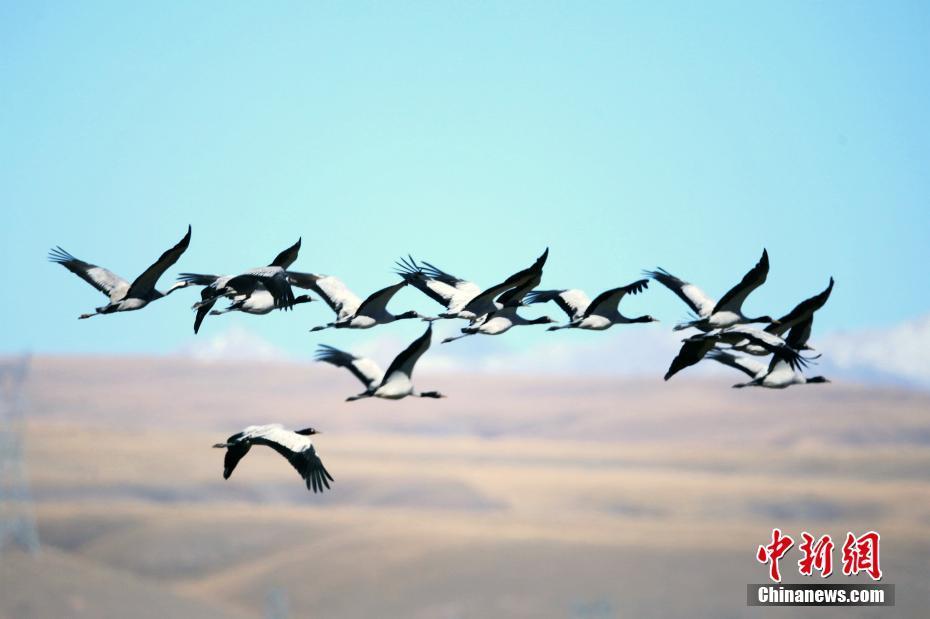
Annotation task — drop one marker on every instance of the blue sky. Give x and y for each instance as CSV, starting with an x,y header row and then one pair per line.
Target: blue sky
x,y
621,135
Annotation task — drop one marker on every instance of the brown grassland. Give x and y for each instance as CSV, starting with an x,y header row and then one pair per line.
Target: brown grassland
x,y
514,497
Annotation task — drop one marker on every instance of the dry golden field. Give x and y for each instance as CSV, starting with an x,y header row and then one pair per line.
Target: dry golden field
x,y
574,498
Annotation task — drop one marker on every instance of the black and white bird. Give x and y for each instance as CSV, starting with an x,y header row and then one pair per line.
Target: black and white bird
x,y
351,311
260,290
597,315
464,299
124,296
295,446
394,384
512,294
803,312
697,346
726,312
779,373
452,292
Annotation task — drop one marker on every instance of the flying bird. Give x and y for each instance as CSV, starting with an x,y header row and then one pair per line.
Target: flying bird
x,y
512,294
394,384
295,446
697,346
256,291
464,299
597,315
124,296
728,310
351,311
779,374
802,312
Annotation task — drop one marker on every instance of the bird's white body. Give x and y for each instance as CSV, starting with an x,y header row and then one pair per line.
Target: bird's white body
x,y
396,386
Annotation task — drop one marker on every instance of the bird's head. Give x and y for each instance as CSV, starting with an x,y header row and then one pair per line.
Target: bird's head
x,y
308,431
543,320
407,315
647,318
304,298
817,379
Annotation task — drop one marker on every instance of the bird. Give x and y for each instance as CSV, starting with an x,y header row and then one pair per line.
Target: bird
x,y
295,446
512,294
124,296
352,312
728,310
697,346
779,374
464,299
264,284
597,315
394,384
801,313
260,302
450,291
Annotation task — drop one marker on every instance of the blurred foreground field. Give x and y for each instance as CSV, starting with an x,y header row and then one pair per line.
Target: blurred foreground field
x,y
569,498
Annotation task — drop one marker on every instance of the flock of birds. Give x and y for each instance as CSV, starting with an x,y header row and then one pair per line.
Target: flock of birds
x,y
724,333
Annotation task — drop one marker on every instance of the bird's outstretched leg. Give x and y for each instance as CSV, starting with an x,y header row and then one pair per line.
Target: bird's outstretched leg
x,y
321,327
558,327
457,337
360,396
83,316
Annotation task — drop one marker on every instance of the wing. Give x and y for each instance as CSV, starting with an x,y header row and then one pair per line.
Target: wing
x,y
441,291
700,303
287,257
311,468
335,293
145,283
692,351
772,343
573,302
515,281
274,279
799,334
106,281
363,368
801,312
733,299
234,453
746,365
405,361
609,300
377,301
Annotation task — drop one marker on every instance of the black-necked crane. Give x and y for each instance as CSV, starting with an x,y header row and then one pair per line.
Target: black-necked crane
x,y
726,312
512,293
295,446
394,384
461,298
802,312
597,315
351,311
261,289
697,346
124,296
779,373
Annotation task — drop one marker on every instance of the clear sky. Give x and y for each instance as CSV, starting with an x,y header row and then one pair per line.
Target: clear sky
x,y
622,135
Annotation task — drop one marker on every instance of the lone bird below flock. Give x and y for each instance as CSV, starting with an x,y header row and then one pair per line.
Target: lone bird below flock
x,y
597,315
295,446
394,384
124,297
726,312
